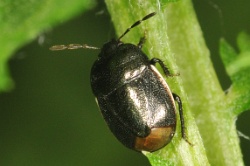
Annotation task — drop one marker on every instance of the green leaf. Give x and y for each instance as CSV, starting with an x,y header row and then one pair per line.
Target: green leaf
x,y
238,68
227,53
22,21
243,42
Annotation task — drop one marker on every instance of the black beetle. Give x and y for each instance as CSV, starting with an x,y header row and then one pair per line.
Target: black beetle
x,y
135,100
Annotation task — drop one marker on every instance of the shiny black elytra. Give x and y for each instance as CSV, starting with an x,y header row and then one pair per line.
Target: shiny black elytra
x,y
134,99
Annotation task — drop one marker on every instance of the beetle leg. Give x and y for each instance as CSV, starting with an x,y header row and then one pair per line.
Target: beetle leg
x,y
141,42
183,130
164,68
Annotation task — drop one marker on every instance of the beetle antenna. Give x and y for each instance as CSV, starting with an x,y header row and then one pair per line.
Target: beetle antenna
x,y
72,47
137,23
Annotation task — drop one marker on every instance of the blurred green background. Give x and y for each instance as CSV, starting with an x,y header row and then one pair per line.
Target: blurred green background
x,y
51,117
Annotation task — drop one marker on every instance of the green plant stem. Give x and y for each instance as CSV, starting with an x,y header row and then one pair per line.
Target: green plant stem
x,y
175,37
213,116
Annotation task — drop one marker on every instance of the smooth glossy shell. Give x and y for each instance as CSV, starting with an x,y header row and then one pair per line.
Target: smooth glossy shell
x,y
134,99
